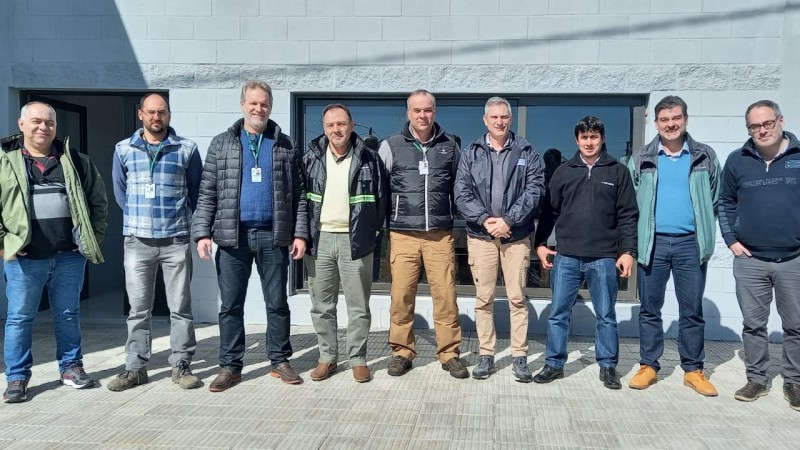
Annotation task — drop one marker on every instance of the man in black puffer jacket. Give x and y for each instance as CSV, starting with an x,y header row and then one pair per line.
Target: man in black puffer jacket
x,y
346,189
421,161
252,205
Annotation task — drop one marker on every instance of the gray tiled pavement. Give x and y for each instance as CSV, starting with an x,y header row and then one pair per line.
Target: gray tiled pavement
x,y
426,408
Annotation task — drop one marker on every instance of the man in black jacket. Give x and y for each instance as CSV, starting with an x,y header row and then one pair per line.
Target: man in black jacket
x,y
345,186
759,220
498,188
252,204
592,204
421,161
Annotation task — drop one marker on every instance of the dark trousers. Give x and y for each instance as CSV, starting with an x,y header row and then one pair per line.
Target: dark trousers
x,y
680,256
234,266
757,283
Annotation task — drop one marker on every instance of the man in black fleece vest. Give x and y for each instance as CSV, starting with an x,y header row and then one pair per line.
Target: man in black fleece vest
x,y
760,222
592,205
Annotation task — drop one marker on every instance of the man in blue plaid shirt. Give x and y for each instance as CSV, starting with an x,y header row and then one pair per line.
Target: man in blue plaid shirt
x,y
156,176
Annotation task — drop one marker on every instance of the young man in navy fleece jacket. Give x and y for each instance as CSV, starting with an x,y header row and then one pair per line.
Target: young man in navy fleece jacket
x,y
760,222
592,204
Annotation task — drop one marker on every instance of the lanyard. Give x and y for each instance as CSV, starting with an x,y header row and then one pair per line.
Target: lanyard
x,y
251,140
423,150
153,156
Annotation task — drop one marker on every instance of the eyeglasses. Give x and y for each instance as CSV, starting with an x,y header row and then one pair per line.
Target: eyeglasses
x,y
768,125
159,113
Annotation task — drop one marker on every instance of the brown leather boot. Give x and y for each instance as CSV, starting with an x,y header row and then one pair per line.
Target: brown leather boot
x,y
696,380
644,378
323,371
361,374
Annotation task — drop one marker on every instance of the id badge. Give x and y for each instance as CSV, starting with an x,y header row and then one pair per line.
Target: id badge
x,y
423,167
150,190
255,174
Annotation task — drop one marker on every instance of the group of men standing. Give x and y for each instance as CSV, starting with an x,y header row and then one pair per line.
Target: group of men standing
x,y
261,199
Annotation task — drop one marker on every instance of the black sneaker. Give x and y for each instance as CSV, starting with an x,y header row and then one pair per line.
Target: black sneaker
x,y
456,368
751,391
548,374
399,365
791,392
16,392
76,377
519,367
484,368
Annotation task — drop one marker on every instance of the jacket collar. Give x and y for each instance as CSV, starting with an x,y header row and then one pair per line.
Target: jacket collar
x,y
750,146
650,152
273,130
603,160
16,142
319,145
406,132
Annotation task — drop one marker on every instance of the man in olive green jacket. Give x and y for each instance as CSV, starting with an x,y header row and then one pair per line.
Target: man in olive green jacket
x,y
52,218
677,183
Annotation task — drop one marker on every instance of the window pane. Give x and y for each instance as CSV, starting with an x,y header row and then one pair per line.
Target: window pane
x,y
554,127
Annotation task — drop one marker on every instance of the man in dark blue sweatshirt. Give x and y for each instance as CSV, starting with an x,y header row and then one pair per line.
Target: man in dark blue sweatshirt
x,y
592,205
760,222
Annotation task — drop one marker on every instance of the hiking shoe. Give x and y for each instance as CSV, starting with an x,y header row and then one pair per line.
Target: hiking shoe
x,y
16,392
456,368
696,380
285,372
644,378
751,391
484,368
183,377
791,392
76,377
519,367
399,365
128,379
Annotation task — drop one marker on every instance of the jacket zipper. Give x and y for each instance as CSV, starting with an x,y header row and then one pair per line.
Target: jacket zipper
x,y
427,228
396,206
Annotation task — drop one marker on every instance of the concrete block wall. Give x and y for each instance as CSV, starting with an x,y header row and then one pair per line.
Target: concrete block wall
x,y
719,55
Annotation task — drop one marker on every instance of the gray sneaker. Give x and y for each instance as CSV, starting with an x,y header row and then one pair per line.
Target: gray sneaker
x,y
484,368
76,377
520,369
16,392
128,379
182,376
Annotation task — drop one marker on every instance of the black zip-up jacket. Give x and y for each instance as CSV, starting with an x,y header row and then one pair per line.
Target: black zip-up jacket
x,y
367,190
523,192
594,212
217,213
421,202
758,203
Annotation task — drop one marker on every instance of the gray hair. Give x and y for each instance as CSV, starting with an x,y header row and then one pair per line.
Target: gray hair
x,y
763,103
497,101
256,84
421,92
23,113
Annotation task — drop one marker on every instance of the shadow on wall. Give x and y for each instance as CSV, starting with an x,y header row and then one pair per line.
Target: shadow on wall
x,y
609,32
99,57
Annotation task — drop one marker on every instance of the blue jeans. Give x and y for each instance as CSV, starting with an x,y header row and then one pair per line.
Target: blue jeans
x,y
565,279
25,281
679,255
234,265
